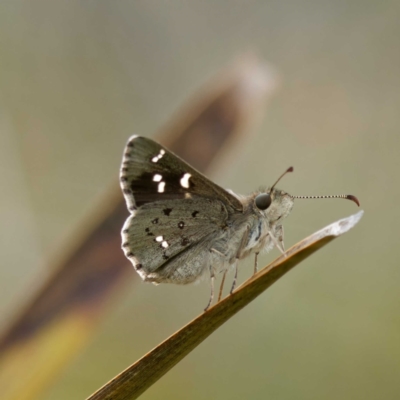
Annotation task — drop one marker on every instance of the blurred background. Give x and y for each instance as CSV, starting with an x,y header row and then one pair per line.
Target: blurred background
x,y
77,78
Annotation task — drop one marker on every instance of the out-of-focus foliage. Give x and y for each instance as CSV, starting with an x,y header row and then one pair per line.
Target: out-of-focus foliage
x,y
57,321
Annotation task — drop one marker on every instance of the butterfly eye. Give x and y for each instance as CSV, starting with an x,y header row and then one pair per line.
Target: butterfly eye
x,y
263,201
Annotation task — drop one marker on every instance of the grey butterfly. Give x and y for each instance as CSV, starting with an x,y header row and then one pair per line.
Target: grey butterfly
x,y
183,226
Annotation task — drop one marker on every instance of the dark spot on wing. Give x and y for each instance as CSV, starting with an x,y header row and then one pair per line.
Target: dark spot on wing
x,y
124,169
194,213
167,211
130,254
165,257
155,221
126,244
138,266
125,231
185,241
148,232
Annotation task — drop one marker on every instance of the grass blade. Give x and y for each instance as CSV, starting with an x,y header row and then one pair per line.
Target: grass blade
x,y
132,382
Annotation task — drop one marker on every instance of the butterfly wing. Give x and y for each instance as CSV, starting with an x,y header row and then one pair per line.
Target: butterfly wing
x,y
174,208
156,233
150,173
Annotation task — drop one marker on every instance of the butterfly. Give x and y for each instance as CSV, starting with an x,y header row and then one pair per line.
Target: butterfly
x,y
182,226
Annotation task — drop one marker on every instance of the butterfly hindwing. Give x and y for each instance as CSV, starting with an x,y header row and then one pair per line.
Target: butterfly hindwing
x,y
151,173
156,233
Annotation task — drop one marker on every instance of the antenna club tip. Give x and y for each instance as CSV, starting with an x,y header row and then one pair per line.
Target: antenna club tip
x,y
290,169
353,198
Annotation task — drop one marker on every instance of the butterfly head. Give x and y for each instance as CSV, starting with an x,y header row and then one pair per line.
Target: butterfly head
x,y
274,203
277,204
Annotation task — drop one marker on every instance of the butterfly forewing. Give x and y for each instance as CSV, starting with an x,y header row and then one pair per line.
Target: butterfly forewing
x,y
151,173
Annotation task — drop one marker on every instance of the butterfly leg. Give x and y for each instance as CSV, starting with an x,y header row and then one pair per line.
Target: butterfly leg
x,y
279,234
222,286
256,262
223,277
235,277
212,281
278,242
242,245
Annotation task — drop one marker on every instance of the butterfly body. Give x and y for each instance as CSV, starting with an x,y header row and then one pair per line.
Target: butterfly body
x,y
183,226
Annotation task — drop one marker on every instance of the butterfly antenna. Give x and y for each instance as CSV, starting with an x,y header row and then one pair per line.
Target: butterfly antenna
x,y
290,169
337,196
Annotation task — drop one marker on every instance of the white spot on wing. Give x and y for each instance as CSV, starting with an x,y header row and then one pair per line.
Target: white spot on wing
x,y
185,181
161,187
159,156
159,239
164,244
157,178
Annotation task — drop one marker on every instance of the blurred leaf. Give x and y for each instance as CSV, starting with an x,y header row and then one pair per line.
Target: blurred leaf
x,y
57,322
136,379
